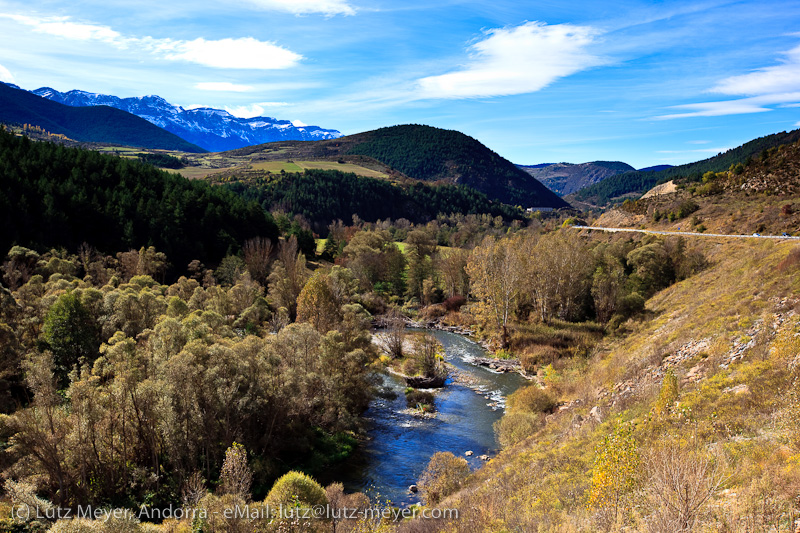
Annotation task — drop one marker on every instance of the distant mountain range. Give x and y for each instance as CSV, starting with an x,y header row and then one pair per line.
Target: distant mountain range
x,y
213,129
567,178
86,124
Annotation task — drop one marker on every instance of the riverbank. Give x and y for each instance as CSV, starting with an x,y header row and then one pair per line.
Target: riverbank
x,y
494,364
400,442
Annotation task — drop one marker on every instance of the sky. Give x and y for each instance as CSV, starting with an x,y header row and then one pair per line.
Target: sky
x,y
644,82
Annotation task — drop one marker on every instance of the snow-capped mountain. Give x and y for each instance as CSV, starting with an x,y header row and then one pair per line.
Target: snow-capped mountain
x,y
213,129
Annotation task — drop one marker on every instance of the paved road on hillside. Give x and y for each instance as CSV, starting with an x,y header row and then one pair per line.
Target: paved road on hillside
x,y
688,233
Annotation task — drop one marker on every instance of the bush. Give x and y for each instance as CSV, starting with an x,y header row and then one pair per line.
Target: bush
x,y
416,398
515,427
631,304
531,399
296,487
443,476
454,303
538,355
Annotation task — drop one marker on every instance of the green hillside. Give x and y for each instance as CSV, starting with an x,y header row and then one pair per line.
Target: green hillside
x,y
325,195
640,182
422,153
433,154
53,196
87,124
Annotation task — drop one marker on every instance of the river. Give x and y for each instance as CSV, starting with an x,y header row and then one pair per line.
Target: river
x,y
400,444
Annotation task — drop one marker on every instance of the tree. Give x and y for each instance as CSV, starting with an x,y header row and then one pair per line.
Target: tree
x,y
257,255
557,274
236,476
317,305
496,271
615,475
608,287
680,482
289,274
420,250
452,265
70,333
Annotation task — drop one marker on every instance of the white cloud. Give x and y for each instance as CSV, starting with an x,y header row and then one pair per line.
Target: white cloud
x,y
517,60
240,53
741,106
304,7
299,124
63,27
5,75
253,110
777,85
243,53
224,86
781,78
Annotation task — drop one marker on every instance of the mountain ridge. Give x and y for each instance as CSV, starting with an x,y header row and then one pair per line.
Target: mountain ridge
x,y
101,124
215,130
566,178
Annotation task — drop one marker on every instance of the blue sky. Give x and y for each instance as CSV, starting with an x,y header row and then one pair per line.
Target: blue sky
x,y
537,81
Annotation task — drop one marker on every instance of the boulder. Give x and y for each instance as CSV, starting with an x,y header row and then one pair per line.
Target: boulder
x,y
596,413
413,489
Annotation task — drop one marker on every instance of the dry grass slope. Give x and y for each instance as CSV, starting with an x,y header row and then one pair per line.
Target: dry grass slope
x,y
728,431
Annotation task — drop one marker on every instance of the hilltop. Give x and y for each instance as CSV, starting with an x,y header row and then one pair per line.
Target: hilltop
x,y
422,153
566,178
100,124
213,129
633,184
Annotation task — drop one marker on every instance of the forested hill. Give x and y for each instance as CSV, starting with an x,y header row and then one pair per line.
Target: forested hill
x,y
100,124
53,196
325,195
433,154
426,154
642,181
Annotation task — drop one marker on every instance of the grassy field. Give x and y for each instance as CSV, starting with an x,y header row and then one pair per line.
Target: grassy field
x,y
300,166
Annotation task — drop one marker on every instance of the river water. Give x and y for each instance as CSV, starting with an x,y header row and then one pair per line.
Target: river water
x,y
400,444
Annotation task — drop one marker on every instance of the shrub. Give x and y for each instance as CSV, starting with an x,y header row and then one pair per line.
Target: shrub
x,y
531,399
538,355
416,398
454,303
631,304
668,394
296,488
443,476
515,427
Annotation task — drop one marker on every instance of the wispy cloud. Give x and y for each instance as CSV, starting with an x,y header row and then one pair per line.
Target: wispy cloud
x,y
328,8
741,106
776,85
698,151
239,53
5,75
782,78
517,60
223,86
